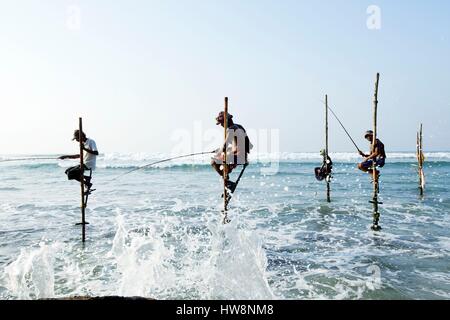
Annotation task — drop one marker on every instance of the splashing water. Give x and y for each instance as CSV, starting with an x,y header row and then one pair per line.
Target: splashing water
x,y
32,274
150,262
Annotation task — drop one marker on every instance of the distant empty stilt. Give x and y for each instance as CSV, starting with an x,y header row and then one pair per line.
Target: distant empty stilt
x,y
421,160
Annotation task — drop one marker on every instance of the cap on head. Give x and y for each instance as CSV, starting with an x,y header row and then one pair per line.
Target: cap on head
x,y
220,118
322,152
76,134
368,133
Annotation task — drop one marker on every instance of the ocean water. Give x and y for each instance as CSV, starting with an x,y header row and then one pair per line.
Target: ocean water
x,y
158,233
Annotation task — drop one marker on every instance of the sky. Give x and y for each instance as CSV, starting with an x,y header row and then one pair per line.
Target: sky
x,y
149,76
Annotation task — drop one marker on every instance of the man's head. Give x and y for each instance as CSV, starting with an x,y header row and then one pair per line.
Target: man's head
x,y
220,118
76,135
369,135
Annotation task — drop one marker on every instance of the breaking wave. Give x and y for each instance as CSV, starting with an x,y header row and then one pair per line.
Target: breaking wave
x,y
134,160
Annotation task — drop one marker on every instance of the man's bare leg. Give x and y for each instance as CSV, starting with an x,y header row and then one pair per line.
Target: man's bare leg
x,y
363,169
377,172
216,167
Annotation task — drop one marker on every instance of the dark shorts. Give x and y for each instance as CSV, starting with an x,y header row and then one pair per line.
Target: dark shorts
x,y
232,163
368,164
74,173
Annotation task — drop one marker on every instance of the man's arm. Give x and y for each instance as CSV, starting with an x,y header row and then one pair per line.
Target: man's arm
x,y
74,156
373,155
91,151
227,141
91,147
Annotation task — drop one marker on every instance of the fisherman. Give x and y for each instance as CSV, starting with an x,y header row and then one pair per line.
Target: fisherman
x,y
90,157
324,172
237,154
377,154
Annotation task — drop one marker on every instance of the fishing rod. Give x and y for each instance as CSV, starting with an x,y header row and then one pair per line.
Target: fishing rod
x,y
25,159
348,134
162,161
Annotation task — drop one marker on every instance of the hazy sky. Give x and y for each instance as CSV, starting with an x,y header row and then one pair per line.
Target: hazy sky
x,y
141,71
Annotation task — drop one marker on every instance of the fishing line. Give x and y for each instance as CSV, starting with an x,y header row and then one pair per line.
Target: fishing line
x,y
25,159
348,134
126,173
161,161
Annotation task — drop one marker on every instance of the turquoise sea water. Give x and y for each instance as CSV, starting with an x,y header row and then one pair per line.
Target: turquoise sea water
x,y
157,232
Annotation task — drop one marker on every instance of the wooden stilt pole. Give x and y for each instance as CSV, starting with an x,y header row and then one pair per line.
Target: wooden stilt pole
x,y
326,146
420,159
83,204
225,164
376,213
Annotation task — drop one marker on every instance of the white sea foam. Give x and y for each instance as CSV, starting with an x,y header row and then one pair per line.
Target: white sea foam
x,y
31,275
131,160
221,263
346,156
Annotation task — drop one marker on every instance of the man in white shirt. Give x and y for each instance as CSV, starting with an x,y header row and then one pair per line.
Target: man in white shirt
x,y
89,156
